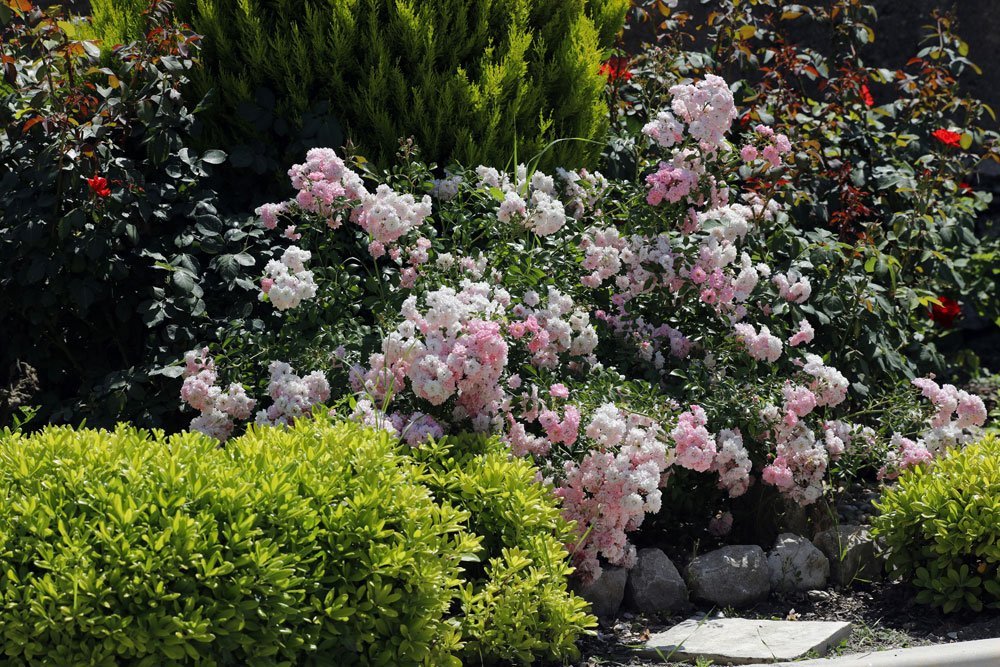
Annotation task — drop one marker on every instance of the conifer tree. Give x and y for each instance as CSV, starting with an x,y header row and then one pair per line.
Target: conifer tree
x,y
470,80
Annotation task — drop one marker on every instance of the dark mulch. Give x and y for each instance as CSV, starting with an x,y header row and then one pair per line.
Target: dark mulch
x,y
885,616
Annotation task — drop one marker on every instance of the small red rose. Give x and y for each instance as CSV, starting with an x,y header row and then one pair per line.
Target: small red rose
x,y
945,314
866,96
947,137
616,69
99,186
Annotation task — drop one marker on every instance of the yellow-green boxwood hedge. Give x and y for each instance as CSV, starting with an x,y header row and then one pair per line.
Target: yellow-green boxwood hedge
x,y
941,527
321,544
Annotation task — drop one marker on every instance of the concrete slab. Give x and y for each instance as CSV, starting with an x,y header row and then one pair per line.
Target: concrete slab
x,y
981,653
741,641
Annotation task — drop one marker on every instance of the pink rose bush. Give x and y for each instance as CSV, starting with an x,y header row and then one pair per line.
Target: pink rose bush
x,y
615,485
535,203
329,191
624,336
218,408
703,112
694,446
804,334
957,416
451,350
903,453
792,286
292,396
768,145
287,283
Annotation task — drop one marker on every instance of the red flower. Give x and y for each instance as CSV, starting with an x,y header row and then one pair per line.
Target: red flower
x,y
965,187
866,96
99,186
616,69
945,314
947,137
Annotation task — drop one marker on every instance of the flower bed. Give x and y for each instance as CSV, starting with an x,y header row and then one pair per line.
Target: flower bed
x,y
734,322
496,294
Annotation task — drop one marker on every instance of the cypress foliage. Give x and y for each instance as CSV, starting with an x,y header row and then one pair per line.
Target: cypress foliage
x,y
471,80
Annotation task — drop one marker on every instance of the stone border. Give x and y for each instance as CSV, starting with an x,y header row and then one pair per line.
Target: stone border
x,y
981,653
736,575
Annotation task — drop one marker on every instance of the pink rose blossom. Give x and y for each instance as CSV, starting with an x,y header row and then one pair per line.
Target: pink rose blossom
x,y
695,447
804,334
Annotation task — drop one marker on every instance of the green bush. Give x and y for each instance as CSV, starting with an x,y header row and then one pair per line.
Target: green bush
x,y
470,81
518,608
941,527
116,255
281,548
889,214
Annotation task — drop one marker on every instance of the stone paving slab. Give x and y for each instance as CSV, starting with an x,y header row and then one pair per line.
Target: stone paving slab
x,y
980,653
742,641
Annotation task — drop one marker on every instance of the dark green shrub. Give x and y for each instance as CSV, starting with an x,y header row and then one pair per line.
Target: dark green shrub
x,y
284,547
941,528
114,256
470,81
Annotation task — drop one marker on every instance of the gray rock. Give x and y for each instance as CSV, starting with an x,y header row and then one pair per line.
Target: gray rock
x,y
851,552
796,565
735,576
818,596
792,517
605,593
654,584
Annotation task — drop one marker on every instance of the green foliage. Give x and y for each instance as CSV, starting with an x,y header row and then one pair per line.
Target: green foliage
x,y
885,214
475,82
941,527
161,550
284,547
18,420
114,255
518,608
121,24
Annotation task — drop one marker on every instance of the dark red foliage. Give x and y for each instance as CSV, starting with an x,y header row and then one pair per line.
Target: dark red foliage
x,y
853,202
